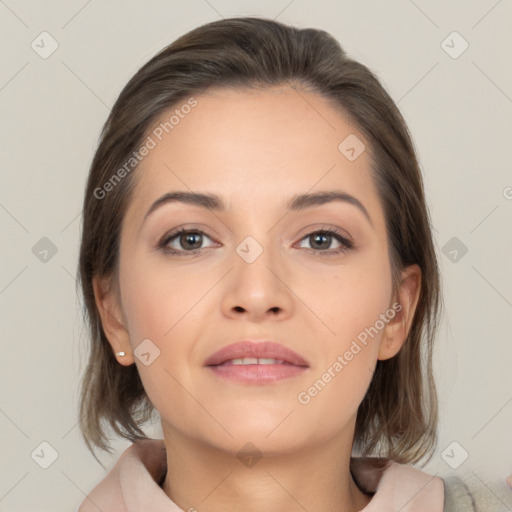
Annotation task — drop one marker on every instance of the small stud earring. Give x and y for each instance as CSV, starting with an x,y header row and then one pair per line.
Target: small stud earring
x,y
121,354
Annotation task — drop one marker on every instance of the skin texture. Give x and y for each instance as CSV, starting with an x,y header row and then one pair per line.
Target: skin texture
x,y
255,149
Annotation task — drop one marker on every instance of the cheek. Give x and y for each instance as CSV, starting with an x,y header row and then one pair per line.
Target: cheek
x,y
351,304
338,388
156,300
351,344
164,307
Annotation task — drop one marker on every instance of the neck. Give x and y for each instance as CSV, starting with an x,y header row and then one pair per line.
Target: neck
x,y
206,479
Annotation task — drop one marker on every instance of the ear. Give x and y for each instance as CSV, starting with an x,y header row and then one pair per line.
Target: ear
x,y
109,308
396,331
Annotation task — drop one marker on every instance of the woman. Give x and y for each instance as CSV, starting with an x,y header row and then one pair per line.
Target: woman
x,y
258,269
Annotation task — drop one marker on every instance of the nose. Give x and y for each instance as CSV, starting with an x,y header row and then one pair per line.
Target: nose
x,y
257,288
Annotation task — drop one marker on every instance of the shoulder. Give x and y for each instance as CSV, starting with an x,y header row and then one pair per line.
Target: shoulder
x,y
395,486
457,495
408,488
470,495
136,473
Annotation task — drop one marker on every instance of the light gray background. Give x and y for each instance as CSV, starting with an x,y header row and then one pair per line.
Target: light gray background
x,y
52,110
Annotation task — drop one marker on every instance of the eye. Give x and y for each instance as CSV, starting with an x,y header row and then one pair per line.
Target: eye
x,y
190,241
323,237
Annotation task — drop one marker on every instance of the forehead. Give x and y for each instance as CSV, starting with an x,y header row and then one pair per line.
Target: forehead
x,y
255,146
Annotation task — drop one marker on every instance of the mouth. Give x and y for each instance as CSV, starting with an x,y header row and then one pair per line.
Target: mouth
x,y
253,360
259,362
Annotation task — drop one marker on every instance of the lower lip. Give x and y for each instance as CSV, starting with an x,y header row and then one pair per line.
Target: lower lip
x,y
257,373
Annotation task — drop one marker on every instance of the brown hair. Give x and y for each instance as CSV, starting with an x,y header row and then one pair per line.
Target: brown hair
x,y
398,415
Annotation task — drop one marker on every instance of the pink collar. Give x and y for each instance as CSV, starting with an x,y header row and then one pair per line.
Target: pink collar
x,y
132,485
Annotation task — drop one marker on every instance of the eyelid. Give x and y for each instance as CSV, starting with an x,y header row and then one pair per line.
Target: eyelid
x,y
200,228
313,228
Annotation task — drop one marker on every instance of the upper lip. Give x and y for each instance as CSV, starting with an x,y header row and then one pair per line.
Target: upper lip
x,y
257,349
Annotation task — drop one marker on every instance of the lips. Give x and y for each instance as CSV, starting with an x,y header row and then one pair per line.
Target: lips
x,y
256,363
261,350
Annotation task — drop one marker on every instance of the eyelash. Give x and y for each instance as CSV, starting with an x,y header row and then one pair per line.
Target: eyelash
x,y
346,244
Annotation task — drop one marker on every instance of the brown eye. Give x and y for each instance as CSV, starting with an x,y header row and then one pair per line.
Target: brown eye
x,y
190,240
183,241
322,239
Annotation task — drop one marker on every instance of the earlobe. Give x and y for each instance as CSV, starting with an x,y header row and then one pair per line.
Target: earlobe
x,y
396,331
109,309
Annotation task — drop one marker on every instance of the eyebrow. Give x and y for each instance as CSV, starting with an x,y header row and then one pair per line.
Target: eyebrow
x,y
296,203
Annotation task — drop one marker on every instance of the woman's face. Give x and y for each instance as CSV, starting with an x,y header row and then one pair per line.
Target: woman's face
x,y
255,269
